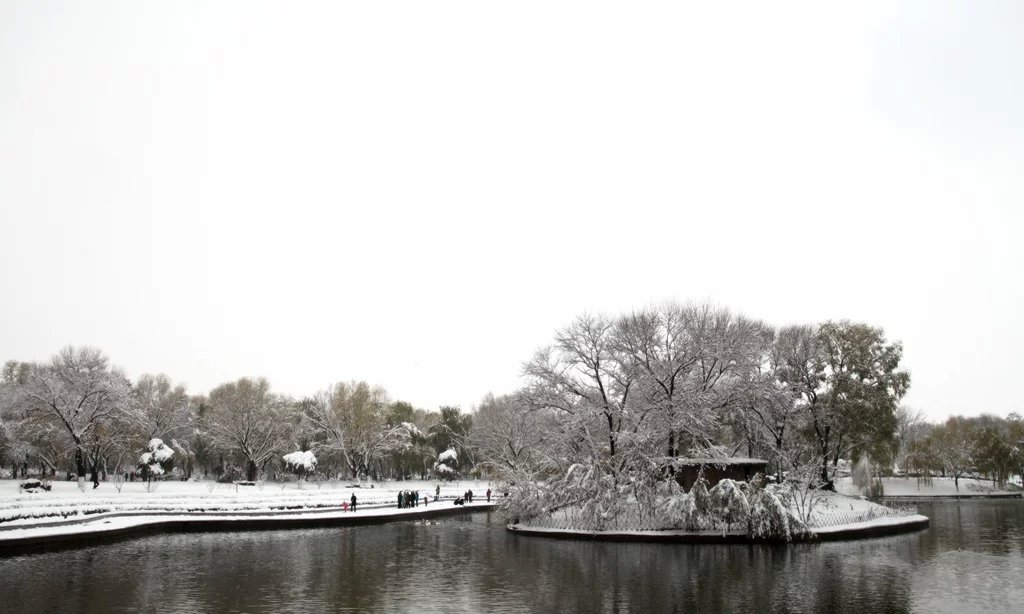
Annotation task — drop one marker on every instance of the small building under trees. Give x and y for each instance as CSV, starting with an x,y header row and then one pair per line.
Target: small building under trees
x,y
714,470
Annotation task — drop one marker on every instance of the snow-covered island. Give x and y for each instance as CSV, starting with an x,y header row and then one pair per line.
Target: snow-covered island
x,y
729,511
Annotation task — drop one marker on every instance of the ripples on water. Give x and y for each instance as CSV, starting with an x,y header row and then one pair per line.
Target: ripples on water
x,y
971,560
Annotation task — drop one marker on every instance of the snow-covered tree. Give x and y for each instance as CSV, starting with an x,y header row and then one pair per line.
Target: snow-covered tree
x,y
156,460
772,401
352,420
628,392
73,396
584,377
447,465
956,445
451,431
164,409
689,360
246,417
803,494
512,437
769,518
301,463
729,503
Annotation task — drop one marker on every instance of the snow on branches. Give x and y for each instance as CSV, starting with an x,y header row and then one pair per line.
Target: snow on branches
x,y
300,461
447,464
156,460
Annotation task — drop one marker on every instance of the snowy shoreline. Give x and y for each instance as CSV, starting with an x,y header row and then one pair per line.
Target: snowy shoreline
x,y
67,515
876,527
911,489
86,531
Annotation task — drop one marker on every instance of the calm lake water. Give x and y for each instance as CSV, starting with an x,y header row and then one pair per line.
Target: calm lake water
x,y
970,560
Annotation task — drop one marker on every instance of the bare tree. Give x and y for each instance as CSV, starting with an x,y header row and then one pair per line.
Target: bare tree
x,y
694,365
772,394
513,438
164,410
352,418
244,416
660,348
77,393
910,427
583,376
955,445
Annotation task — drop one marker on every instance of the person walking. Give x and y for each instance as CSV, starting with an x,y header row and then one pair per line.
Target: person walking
x,y
399,499
353,501
488,495
416,498
437,492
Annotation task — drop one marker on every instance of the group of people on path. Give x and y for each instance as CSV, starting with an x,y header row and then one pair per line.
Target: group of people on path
x,y
411,498
468,496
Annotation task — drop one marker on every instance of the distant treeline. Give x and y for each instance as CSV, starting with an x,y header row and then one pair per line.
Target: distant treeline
x,y
77,413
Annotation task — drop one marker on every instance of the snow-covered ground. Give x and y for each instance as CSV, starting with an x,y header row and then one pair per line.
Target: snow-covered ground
x,y
940,487
65,501
838,512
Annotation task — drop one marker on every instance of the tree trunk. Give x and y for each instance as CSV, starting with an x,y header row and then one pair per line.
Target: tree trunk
x,y
79,462
823,440
80,467
824,468
611,436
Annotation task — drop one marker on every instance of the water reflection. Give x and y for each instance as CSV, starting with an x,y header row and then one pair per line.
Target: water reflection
x,y
972,559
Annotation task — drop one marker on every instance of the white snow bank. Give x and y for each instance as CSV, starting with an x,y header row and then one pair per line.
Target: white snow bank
x,y
939,487
66,501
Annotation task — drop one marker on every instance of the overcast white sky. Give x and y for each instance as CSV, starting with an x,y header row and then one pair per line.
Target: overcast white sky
x,y
418,194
